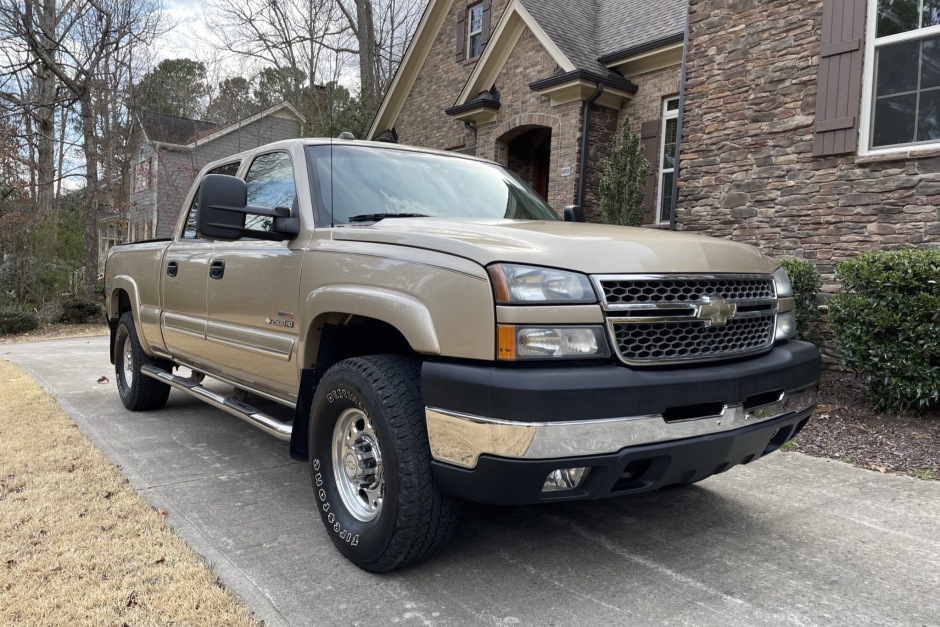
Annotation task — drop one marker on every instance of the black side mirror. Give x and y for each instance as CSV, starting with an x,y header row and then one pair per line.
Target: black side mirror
x,y
574,213
223,207
222,203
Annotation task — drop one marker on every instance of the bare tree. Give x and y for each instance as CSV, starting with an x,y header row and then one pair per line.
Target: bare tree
x,y
320,37
76,44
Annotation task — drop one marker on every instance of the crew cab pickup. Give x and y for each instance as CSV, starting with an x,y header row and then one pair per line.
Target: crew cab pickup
x,y
440,334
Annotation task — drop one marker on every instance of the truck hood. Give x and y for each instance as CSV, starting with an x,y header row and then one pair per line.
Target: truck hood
x,y
588,248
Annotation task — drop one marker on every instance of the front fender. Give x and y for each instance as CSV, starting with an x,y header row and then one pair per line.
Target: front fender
x,y
404,312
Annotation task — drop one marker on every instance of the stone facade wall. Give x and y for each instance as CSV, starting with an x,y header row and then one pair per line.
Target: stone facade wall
x,y
422,121
654,88
602,135
747,169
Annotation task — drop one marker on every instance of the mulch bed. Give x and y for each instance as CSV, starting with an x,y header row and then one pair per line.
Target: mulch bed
x,y
846,429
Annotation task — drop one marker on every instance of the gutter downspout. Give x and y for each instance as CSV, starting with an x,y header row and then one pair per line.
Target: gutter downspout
x,y
586,126
680,124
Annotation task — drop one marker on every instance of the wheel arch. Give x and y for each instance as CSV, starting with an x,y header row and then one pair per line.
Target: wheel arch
x,y
361,322
123,297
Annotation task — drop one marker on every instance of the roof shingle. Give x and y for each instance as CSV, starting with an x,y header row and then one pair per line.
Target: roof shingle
x,y
590,29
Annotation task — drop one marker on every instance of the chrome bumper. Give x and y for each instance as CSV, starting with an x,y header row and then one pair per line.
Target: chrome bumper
x,y
460,439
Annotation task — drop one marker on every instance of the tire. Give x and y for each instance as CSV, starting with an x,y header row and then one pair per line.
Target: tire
x,y
138,391
385,511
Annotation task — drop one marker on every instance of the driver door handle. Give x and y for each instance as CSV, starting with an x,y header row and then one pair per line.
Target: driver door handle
x,y
172,268
217,269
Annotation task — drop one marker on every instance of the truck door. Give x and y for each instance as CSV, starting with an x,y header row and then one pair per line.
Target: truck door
x,y
184,276
253,290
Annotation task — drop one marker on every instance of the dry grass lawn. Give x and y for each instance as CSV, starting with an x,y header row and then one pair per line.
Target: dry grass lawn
x,y
78,546
56,332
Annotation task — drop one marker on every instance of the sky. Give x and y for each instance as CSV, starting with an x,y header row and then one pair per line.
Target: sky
x,y
189,36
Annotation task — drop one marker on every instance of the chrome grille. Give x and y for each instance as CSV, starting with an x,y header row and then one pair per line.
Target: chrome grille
x,y
675,341
662,319
673,290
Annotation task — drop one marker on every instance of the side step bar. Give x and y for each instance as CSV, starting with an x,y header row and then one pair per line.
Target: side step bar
x,y
280,430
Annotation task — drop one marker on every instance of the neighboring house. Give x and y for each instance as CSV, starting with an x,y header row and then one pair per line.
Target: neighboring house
x,y
812,127
168,152
511,80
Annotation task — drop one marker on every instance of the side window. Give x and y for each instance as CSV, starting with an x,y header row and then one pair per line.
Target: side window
x,y
190,231
270,182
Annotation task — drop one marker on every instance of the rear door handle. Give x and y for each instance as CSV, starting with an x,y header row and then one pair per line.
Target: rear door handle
x,y
172,268
217,269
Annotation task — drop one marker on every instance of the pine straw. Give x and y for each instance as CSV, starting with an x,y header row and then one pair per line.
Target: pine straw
x,y
78,546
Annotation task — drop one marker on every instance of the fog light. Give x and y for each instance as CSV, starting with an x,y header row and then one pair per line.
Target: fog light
x,y
564,479
786,326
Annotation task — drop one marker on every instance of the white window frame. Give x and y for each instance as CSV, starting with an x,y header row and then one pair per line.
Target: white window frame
x,y
868,84
667,115
472,33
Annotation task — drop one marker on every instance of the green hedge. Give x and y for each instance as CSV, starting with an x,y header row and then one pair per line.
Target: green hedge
x,y
806,285
79,310
886,322
17,321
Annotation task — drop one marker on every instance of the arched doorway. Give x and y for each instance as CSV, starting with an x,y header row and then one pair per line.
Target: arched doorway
x,y
529,153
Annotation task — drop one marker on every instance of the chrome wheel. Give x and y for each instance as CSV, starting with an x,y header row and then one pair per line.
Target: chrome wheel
x,y
357,465
127,361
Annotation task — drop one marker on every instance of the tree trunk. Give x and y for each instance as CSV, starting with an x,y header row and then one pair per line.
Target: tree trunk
x,y
365,33
45,108
89,144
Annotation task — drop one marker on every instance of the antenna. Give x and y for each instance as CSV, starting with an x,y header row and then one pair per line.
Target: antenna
x,y
332,189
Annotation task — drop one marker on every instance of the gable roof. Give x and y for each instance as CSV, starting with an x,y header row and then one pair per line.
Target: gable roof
x,y
186,134
631,24
171,129
583,35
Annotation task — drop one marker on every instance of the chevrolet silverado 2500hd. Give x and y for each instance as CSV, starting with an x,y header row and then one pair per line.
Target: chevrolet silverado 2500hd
x,y
441,335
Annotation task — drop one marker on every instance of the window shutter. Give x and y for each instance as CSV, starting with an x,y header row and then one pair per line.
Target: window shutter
x,y
461,35
839,95
485,36
649,137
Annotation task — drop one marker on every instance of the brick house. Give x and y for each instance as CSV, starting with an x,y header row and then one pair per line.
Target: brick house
x,y
513,80
167,153
812,127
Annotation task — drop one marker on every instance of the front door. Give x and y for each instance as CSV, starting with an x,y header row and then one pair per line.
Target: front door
x,y
253,290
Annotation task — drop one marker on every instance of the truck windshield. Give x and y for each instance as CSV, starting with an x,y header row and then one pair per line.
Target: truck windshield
x,y
363,184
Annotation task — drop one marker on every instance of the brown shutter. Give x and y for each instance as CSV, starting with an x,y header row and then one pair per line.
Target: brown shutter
x,y
839,94
649,136
485,36
461,35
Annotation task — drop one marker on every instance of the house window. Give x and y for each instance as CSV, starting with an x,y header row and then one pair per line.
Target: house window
x,y
475,31
665,203
905,48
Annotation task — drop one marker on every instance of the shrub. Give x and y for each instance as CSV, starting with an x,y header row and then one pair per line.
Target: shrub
x,y
79,310
806,284
623,183
886,322
17,321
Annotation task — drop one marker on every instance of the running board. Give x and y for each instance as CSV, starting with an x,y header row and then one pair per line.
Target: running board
x,y
280,430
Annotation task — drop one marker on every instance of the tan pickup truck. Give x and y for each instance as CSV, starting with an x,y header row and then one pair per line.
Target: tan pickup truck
x,y
441,334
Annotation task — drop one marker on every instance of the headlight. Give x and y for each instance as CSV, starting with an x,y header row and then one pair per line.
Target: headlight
x,y
542,342
782,282
515,284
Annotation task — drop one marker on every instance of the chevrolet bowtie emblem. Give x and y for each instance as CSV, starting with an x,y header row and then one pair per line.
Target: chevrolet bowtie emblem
x,y
715,311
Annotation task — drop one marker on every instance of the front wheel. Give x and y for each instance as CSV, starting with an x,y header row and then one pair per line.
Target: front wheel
x,y
371,464
138,391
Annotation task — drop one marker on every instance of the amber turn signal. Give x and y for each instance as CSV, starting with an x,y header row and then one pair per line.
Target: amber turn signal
x,y
506,342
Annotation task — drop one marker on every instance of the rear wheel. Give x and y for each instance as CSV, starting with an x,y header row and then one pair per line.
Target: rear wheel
x,y
371,465
138,391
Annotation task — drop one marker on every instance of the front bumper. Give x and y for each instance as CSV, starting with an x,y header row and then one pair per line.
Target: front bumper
x,y
507,481
496,433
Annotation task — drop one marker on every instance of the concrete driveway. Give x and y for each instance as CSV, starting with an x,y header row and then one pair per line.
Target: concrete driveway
x,y
789,540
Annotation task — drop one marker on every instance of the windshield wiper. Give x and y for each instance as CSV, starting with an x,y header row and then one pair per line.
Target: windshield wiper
x,y
375,217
